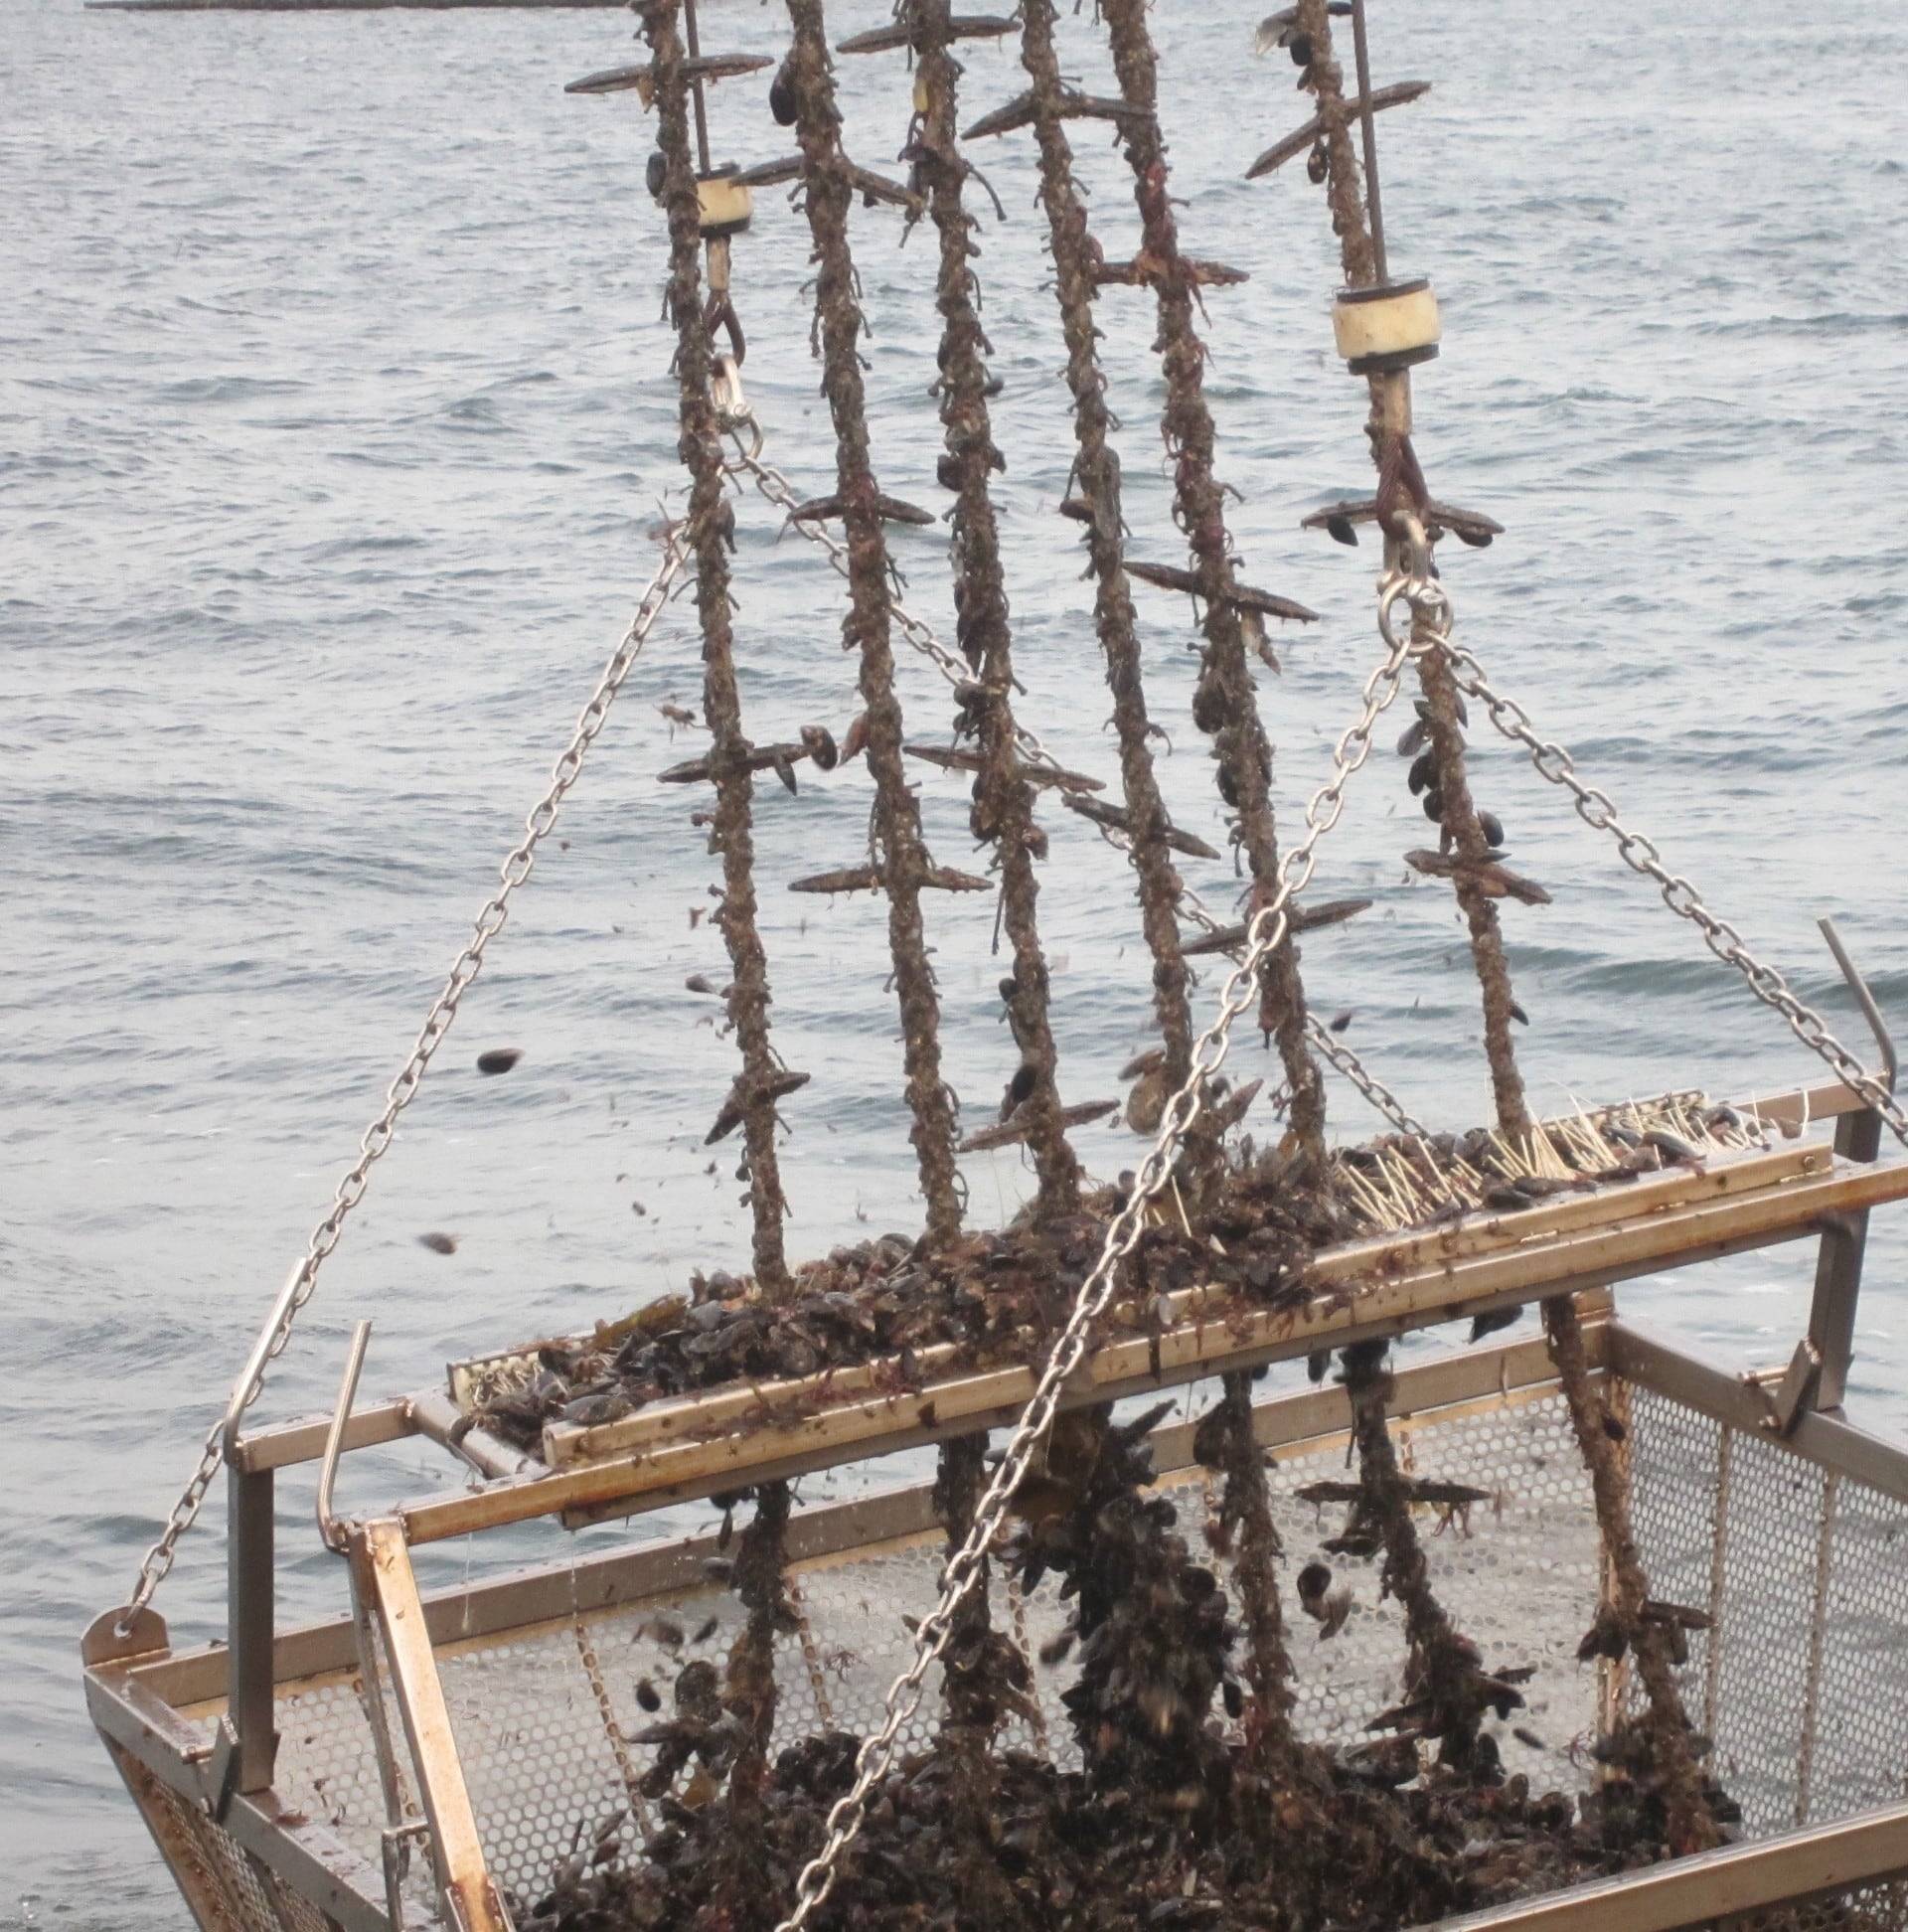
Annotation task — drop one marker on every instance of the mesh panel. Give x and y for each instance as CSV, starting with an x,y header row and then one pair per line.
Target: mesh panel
x,y
1879,1907
247,1890
1803,1681
543,1752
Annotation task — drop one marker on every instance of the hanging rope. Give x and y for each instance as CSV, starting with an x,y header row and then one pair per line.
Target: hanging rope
x,y
1224,1441
1003,811
710,533
1096,490
827,186
1225,706
1325,82
1447,1691
1403,503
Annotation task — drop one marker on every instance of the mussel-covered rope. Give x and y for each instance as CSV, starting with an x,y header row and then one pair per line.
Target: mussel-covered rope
x,y
1225,1442
1447,1691
517,867
826,191
1402,503
1225,705
1400,494
1324,80
1461,830
1003,810
1096,486
1266,930
711,527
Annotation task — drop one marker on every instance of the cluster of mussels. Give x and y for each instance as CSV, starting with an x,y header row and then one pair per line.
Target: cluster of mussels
x,y
979,1298
1164,1823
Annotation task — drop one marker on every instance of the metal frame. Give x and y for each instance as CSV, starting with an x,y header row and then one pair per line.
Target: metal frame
x,y
457,1853
136,1698
139,1689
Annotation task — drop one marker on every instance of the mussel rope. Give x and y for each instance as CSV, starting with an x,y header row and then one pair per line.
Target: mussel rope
x,y
1692,1826
711,525
1225,1442
761,1558
826,191
1401,486
749,1691
972,1696
1003,811
1225,705
1445,1677
1096,483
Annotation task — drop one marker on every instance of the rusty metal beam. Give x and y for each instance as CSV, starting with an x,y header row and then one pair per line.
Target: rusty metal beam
x,y
463,1879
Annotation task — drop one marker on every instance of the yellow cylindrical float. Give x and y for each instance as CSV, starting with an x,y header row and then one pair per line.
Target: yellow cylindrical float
x,y
1387,327
726,203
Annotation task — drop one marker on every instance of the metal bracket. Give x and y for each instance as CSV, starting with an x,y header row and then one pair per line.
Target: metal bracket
x,y
328,1525
394,1846
1831,1313
105,1644
1795,1394
220,1773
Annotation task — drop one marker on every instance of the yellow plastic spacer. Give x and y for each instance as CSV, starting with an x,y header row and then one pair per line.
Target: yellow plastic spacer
x,y
920,93
1391,326
726,203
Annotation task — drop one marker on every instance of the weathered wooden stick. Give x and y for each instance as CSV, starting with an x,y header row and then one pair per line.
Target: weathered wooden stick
x,y
1397,96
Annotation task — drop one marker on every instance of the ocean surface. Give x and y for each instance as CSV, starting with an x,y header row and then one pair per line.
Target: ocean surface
x,y
336,425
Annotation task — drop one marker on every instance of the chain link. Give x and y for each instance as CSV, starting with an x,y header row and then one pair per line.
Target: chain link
x,y
1641,855
1323,1037
1265,934
378,1137
1367,1083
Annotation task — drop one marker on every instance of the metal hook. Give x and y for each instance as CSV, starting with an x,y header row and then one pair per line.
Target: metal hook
x,y
1865,1000
262,1352
328,1527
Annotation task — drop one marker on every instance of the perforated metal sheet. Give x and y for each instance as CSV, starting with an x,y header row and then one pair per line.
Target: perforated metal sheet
x,y
1804,1682
545,1714
543,1754
246,1888
1881,1907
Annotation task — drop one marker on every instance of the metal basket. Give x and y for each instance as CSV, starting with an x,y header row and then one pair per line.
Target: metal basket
x,y
289,1780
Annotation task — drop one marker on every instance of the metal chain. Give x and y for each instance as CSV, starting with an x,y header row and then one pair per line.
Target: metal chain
x,y
1641,856
1367,1083
1266,932
378,1137
1323,1037
739,419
